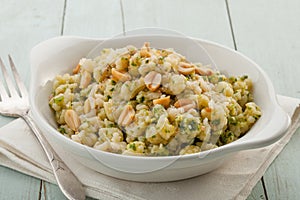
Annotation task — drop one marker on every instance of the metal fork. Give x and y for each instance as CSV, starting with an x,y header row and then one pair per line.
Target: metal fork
x,y
16,104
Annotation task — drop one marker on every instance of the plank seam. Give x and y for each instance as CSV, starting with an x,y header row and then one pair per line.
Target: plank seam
x,y
230,24
264,187
40,192
123,16
45,190
63,18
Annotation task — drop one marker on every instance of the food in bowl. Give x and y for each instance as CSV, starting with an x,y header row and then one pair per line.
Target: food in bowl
x,y
151,102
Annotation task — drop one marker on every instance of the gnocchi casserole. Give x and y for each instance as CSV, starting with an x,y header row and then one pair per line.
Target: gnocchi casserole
x,y
151,102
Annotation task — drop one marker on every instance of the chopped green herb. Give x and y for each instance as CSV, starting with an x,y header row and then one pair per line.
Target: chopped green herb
x,y
227,137
58,99
256,117
244,77
160,60
111,125
189,76
142,138
62,130
232,121
134,64
132,146
232,79
189,125
215,122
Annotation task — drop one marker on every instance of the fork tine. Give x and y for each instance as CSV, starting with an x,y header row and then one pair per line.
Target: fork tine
x,y
9,83
3,92
18,80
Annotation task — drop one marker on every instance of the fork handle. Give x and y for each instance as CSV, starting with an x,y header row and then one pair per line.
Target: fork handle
x,y
66,180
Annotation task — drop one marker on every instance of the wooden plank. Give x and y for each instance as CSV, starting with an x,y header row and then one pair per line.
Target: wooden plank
x,y
51,191
257,192
24,24
283,177
207,29
271,38
198,18
97,18
83,19
14,185
203,19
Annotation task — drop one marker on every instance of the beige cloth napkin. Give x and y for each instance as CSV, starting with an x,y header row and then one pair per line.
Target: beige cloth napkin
x,y
19,150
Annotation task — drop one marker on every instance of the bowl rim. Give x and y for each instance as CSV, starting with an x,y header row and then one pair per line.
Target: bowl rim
x,y
216,152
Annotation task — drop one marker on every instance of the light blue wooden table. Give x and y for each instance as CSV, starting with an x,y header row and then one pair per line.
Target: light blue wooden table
x,y
266,31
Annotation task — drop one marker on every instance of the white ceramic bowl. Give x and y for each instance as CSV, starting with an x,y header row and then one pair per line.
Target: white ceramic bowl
x,y
59,55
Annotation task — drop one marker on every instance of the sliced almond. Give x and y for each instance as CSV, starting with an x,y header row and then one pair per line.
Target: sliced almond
x,y
185,65
163,52
206,113
102,73
185,68
125,61
86,79
136,90
119,76
188,107
122,63
76,69
109,110
186,71
147,45
72,120
152,80
87,106
139,86
185,104
144,53
204,71
165,101
126,116
202,101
